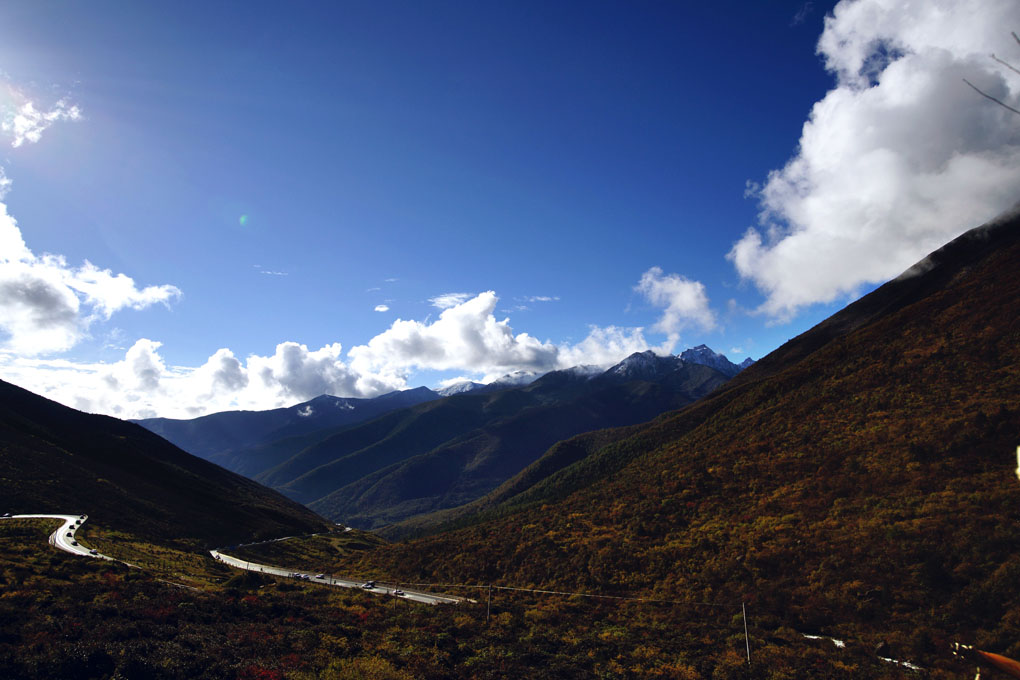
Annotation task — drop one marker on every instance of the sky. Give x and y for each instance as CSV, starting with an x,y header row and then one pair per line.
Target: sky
x,y
216,206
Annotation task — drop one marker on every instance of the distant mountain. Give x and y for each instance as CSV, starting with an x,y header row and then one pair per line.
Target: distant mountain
x,y
237,439
450,452
706,357
648,365
57,459
512,379
459,388
858,482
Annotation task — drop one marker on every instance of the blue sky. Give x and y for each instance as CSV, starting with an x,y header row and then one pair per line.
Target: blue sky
x,y
279,172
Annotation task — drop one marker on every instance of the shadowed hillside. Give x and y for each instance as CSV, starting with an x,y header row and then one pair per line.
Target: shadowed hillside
x,y
57,459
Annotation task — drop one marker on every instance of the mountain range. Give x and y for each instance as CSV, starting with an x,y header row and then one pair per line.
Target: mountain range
x,y
373,462
858,483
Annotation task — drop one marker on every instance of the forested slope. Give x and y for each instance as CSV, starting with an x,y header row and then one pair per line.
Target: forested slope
x,y
859,481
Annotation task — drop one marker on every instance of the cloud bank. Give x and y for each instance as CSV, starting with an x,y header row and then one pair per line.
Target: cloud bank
x,y
465,337
898,158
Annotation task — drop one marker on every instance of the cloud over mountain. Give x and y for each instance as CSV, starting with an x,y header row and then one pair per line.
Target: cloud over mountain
x,y
898,158
684,302
468,337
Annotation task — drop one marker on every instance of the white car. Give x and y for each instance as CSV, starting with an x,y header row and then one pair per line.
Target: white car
x,y
369,585
93,552
320,576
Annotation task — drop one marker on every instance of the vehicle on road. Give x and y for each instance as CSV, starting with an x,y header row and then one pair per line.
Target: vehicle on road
x,y
93,552
69,534
320,576
7,514
369,585
398,593
74,542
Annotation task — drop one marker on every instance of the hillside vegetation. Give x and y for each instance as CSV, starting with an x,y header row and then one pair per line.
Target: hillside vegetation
x,y
56,459
858,482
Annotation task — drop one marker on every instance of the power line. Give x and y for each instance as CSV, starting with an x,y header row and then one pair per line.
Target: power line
x,y
733,605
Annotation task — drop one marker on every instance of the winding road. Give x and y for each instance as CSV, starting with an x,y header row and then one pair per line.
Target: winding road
x,y
63,538
328,580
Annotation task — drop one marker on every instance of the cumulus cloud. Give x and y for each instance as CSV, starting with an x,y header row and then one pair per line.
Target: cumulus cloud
x,y
46,305
607,346
142,385
468,337
382,308
465,336
22,122
898,158
684,302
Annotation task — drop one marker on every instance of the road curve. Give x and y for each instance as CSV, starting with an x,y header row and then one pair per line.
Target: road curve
x,y
328,580
63,538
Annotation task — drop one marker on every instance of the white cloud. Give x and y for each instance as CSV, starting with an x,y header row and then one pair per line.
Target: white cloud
x,y
684,302
607,346
382,308
47,305
22,122
449,300
468,337
899,158
141,385
465,338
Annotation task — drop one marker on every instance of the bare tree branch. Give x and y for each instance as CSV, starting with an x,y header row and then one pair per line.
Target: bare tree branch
x,y
1007,65
988,96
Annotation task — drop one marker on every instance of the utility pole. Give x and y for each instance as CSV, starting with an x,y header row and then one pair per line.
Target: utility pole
x,y
488,605
747,640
